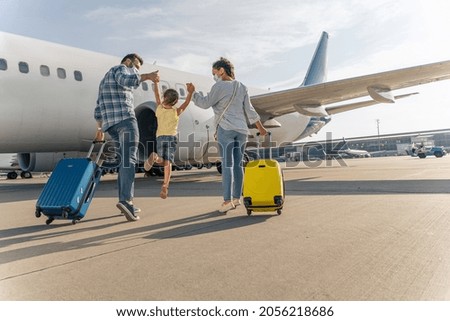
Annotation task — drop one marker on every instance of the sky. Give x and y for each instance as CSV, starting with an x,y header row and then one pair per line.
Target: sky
x,y
269,42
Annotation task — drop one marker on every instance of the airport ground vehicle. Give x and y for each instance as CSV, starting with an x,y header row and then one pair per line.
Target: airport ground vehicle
x,y
424,151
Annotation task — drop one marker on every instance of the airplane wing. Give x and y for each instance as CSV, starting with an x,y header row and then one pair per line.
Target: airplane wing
x,y
311,100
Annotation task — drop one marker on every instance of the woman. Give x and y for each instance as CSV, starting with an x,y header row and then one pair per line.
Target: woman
x,y
231,104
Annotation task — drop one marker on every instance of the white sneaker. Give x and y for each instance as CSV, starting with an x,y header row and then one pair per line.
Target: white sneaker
x,y
225,207
236,202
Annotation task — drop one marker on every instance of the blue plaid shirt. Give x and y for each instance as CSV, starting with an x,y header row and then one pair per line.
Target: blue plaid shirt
x,y
115,96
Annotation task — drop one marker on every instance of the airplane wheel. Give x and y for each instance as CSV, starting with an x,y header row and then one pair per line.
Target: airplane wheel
x,y
26,175
11,175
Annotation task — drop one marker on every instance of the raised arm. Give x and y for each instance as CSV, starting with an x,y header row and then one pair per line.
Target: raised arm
x,y
190,88
156,91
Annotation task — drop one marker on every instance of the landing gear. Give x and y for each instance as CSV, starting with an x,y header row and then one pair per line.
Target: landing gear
x,y
26,175
14,175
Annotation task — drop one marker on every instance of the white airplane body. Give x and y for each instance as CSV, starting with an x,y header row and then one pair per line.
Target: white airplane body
x,y
9,162
10,166
48,94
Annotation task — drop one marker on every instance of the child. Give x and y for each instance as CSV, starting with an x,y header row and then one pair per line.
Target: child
x,y
166,134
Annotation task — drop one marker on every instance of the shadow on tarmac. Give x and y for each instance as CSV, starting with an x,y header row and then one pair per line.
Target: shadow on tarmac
x,y
367,187
194,225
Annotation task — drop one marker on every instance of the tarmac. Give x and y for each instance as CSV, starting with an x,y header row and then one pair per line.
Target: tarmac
x,y
355,229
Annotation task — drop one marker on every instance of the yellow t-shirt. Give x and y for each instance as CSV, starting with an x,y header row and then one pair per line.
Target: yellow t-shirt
x,y
167,121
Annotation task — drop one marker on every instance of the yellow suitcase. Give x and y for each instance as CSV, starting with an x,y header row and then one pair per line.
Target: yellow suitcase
x,y
263,186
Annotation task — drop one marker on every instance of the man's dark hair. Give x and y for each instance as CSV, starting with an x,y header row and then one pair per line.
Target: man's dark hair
x,y
132,56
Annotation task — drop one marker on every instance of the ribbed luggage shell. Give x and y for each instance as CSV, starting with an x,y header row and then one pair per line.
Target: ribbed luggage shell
x,y
65,188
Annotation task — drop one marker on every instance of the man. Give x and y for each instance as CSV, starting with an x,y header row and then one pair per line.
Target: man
x,y
115,115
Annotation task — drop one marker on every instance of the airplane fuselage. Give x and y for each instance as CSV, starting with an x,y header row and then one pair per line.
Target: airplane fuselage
x,y
48,93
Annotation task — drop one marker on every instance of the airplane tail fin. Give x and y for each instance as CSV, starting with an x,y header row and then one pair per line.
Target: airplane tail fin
x,y
317,71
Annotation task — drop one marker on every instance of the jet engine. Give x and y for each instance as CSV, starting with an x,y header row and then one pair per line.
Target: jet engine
x,y
43,162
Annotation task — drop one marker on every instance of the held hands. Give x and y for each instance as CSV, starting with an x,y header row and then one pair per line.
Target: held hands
x,y
190,87
153,76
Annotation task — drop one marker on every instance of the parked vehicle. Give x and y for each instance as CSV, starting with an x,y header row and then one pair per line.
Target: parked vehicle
x,y
423,151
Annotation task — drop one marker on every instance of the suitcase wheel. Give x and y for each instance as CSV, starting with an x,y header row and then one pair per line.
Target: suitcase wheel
x,y
37,213
279,211
65,214
249,212
49,220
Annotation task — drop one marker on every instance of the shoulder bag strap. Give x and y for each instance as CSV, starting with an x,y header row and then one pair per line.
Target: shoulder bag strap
x,y
228,105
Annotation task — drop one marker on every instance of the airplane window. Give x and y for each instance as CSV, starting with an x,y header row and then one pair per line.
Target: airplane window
x,y
61,73
78,75
164,86
181,90
145,86
45,71
23,67
3,64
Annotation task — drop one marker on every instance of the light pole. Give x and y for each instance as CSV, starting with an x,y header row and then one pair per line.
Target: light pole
x,y
378,131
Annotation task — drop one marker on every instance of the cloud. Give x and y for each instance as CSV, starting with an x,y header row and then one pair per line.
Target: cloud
x,y
254,35
250,30
118,15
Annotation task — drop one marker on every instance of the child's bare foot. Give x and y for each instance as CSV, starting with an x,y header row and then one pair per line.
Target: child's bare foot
x,y
148,164
164,191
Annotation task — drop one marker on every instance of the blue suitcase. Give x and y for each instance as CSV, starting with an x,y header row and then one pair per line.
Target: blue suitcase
x,y
70,188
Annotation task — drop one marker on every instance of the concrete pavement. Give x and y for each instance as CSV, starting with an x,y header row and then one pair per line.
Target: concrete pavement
x,y
375,229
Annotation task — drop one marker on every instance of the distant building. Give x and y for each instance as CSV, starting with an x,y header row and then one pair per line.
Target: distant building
x,y
382,145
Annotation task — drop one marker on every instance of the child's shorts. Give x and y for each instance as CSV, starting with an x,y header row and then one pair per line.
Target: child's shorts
x,y
166,146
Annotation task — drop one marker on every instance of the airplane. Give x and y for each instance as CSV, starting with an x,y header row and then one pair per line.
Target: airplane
x,y
8,163
48,92
342,149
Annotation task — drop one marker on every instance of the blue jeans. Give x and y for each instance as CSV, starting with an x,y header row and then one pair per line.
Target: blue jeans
x,y
126,139
232,146
166,147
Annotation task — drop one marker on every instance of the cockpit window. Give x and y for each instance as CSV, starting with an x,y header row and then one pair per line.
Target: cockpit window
x,y
3,64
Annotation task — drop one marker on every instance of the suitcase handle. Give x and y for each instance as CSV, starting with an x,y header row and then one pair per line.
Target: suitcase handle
x,y
100,152
258,142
